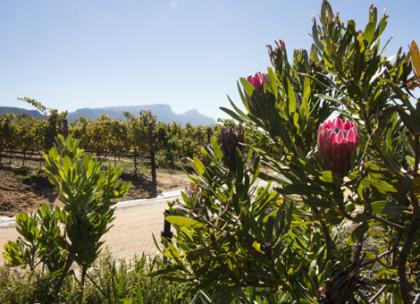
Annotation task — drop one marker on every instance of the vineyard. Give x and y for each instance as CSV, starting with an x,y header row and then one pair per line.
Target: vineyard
x,y
150,153
134,139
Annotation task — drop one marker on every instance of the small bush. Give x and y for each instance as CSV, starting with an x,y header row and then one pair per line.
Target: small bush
x,y
109,281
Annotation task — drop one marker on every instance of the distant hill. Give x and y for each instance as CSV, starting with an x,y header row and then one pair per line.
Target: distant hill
x,y
34,113
163,113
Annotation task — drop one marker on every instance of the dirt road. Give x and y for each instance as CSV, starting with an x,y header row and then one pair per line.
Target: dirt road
x,y
131,234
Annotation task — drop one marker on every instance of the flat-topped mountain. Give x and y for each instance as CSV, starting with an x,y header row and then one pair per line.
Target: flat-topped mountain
x,y
35,113
163,113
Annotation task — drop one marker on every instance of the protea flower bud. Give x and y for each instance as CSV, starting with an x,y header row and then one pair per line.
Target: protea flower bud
x,y
278,55
230,138
337,141
258,81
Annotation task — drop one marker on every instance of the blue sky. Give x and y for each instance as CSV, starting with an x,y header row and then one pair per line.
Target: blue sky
x,y
186,53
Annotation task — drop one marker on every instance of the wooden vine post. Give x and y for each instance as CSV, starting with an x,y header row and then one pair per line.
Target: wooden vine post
x,y
152,157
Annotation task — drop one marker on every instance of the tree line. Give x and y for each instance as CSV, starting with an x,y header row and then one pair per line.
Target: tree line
x,y
135,137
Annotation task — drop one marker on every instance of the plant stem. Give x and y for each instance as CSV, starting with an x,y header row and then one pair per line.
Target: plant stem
x,y
60,281
376,295
417,299
402,261
328,240
218,251
417,155
96,285
411,233
84,270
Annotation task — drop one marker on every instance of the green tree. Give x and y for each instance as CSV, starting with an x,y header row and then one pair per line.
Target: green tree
x,y
7,133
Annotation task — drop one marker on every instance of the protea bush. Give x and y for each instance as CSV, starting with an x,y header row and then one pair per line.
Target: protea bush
x,y
331,214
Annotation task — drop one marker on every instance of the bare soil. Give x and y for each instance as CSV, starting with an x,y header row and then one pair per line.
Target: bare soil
x,y
22,191
141,186
18,194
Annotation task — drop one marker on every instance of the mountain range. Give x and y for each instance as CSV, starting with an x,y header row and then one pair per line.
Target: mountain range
x,y
34,113
163,113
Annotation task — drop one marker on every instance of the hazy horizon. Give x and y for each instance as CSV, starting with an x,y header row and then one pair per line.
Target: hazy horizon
x,y
90,54
30,107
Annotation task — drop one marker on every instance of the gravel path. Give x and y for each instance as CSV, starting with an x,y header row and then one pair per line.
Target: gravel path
x,y
131,233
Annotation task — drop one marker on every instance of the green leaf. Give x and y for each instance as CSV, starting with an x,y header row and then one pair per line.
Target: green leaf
x,y
237,110
381,26
369,31
382,186
291,97
187,232
272,77
183,221
171,251
327,176
198,165
304,107
330,98
378,206
315,37
296,120
232,114
326,13
358,232
216,148
373,14
248,87
257,246
139,295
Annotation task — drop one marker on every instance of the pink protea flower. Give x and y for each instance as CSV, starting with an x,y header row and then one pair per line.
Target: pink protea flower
x,y
258,81
337,141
